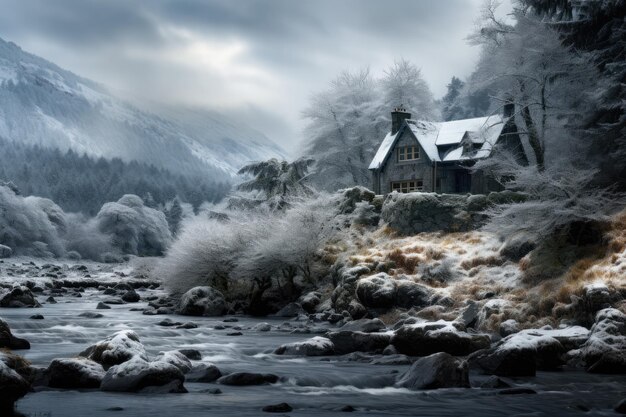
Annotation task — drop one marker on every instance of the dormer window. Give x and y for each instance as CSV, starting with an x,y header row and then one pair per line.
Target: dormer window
x,y
408,153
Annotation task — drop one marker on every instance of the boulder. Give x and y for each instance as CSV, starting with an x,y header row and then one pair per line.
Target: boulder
x,y
613,362
316,346
608,334
131,296
193,354
277,408
422,339
517,246
247,378
138,374
521,354
7,340
310,301
290,310
205,372
75,373
508,327
176,358
620,407
377,291
346,341
263,327
19,296
202,301
12,386
364,325
439,370
116,349
410,294
5,252
102,306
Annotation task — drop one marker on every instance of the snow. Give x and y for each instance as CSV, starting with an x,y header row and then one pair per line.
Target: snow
x,y
533,338
480,130
383,150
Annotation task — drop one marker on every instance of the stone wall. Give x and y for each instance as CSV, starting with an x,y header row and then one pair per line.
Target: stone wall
x,y
429,212
395,170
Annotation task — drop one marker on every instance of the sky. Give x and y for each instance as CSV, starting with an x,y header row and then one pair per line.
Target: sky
x,y
260,60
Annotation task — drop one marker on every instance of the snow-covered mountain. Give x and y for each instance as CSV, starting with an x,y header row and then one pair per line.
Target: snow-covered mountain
x,y
43,104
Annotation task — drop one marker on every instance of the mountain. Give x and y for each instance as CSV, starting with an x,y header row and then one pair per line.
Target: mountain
x,y
42,104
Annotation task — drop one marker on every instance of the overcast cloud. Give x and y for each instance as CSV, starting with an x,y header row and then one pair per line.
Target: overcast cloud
x,y
259,58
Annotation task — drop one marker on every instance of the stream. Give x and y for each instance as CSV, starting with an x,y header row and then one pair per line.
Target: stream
x,y
313,386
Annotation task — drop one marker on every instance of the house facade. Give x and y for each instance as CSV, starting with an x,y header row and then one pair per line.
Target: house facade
x,y
435,157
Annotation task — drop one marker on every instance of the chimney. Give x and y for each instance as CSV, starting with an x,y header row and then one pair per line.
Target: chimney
x,y
398,115
509,109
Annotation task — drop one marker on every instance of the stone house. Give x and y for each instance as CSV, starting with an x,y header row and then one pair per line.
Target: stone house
x,y
436,156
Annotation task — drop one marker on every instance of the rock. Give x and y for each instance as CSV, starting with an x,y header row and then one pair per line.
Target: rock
x,y
278,408
316,346
74,373
12,386
517,246
596,297
356,309
348,341
290,310
102,306
508,328
310,301
469,317
377,291
608,334
410,294
175,358
114,301
138,374
202,301
247,378
234,334
205,372
422,339
7,340
347,409
188,325
167,322
613,362
36,317
440,370
51,300
5,252
263,327
116,349
193,354
620,407
364,325
19,296
91,315
521,354
231,320
131,296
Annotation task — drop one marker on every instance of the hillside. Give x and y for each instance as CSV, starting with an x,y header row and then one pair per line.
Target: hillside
x,y
42,104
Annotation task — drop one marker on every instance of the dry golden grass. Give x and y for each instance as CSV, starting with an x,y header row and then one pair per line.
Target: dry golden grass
x,y
488,260
407,263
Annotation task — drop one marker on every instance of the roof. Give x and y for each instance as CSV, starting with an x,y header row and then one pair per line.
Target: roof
x,y
444,141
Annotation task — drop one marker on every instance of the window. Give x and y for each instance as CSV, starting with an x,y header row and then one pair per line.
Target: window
x,y
407,186
408,153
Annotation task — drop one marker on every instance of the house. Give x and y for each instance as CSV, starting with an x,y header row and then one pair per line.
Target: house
x,y
435,156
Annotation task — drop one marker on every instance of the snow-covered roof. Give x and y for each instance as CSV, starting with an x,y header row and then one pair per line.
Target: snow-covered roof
x,y
443,141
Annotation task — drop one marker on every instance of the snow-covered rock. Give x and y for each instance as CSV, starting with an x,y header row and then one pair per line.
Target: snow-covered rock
x,y
607,337
508,327
439,370
290,310
364,325
7,340
116,349
525,352
349,341
137,374
410,294
426,338
316,346
176,358
596,297
202,301
204,372
377,291
74,373
19,296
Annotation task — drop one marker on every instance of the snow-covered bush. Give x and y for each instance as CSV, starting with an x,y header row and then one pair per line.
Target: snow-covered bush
x,y
135,228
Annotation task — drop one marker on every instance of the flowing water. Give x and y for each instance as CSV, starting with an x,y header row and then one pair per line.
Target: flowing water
x,y
312,386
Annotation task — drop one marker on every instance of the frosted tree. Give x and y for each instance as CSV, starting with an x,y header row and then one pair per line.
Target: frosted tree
x,y
273,183
348,120
174,215
451,108
550,84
